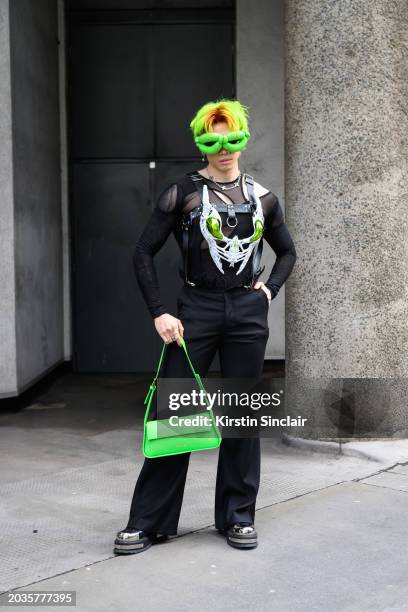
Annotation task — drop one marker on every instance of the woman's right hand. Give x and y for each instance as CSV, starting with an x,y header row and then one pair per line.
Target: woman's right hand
x,y
169,328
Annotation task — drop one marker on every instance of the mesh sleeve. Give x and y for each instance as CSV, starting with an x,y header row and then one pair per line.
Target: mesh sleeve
x,y
279,239
161,223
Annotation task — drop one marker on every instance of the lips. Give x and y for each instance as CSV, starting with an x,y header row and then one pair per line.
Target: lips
x,y
225,160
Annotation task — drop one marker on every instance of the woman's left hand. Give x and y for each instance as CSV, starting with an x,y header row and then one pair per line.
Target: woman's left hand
x,y
263,287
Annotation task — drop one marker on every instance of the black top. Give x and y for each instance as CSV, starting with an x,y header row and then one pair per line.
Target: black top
x,y
182,196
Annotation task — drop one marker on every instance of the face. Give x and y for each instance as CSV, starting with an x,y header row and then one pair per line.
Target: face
x,y
223,159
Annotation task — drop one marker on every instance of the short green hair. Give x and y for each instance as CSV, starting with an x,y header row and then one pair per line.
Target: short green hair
x,y
234,113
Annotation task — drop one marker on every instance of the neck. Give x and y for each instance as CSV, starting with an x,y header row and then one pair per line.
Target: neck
x,y
221,175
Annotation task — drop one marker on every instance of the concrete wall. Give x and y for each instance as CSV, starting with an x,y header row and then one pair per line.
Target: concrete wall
x,y
260,85
37,266
8,373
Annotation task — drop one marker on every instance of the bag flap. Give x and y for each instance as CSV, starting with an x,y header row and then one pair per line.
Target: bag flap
x,y
162,428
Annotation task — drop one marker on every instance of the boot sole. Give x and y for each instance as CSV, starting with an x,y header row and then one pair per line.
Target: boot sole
x,y
132,548
237,541
242,543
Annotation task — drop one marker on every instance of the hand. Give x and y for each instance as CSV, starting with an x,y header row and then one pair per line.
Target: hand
x,y
261,285
169,328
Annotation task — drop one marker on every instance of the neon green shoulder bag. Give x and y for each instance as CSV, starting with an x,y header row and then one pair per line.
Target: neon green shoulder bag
x,y
191,433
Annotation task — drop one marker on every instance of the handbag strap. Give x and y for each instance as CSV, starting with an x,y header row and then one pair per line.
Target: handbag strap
x,y
153,384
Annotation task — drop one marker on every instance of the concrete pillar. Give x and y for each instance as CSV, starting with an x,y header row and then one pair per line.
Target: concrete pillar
x,y
346,205
31,271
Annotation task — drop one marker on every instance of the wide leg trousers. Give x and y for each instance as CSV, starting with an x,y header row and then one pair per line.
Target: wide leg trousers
x,y
234,322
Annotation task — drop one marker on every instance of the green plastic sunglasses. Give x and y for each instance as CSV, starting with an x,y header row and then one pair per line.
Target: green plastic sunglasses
x,y
212,142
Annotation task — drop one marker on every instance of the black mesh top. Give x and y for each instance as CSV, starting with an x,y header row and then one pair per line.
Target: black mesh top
x,y
182,196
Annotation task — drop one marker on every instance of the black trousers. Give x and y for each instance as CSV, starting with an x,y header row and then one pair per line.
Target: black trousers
x,y
234,322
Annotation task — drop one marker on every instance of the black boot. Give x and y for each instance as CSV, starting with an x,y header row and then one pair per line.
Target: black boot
x,y
241,535
131,541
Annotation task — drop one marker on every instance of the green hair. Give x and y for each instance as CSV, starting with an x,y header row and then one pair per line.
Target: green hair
x,y
232,112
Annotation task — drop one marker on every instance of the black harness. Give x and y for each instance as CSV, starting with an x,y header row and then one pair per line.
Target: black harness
x,y
230,209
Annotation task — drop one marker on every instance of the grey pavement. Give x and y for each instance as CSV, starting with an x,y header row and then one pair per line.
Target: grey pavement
x,y
332,525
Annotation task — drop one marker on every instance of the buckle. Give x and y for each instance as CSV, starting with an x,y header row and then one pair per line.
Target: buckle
x,y
231,215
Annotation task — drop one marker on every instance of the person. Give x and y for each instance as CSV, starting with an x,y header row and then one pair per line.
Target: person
x,y
219,217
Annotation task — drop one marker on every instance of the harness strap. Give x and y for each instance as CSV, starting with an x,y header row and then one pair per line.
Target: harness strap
x,y
240,208
185,223
257,255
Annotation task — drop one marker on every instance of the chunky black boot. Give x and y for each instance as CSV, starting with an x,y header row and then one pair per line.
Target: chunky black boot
x,y
132,541
241,535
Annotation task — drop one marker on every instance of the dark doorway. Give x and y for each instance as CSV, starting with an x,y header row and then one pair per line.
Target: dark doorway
x,y
136,77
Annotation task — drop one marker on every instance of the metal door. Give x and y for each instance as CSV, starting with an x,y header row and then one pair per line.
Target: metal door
x,y
135,80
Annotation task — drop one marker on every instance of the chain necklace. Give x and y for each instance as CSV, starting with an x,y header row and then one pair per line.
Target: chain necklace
x,y
223,187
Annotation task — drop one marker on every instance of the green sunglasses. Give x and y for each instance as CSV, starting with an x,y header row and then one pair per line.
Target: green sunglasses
x,y
212,142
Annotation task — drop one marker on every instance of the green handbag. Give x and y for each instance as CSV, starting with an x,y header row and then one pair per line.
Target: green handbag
x,y
160,438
